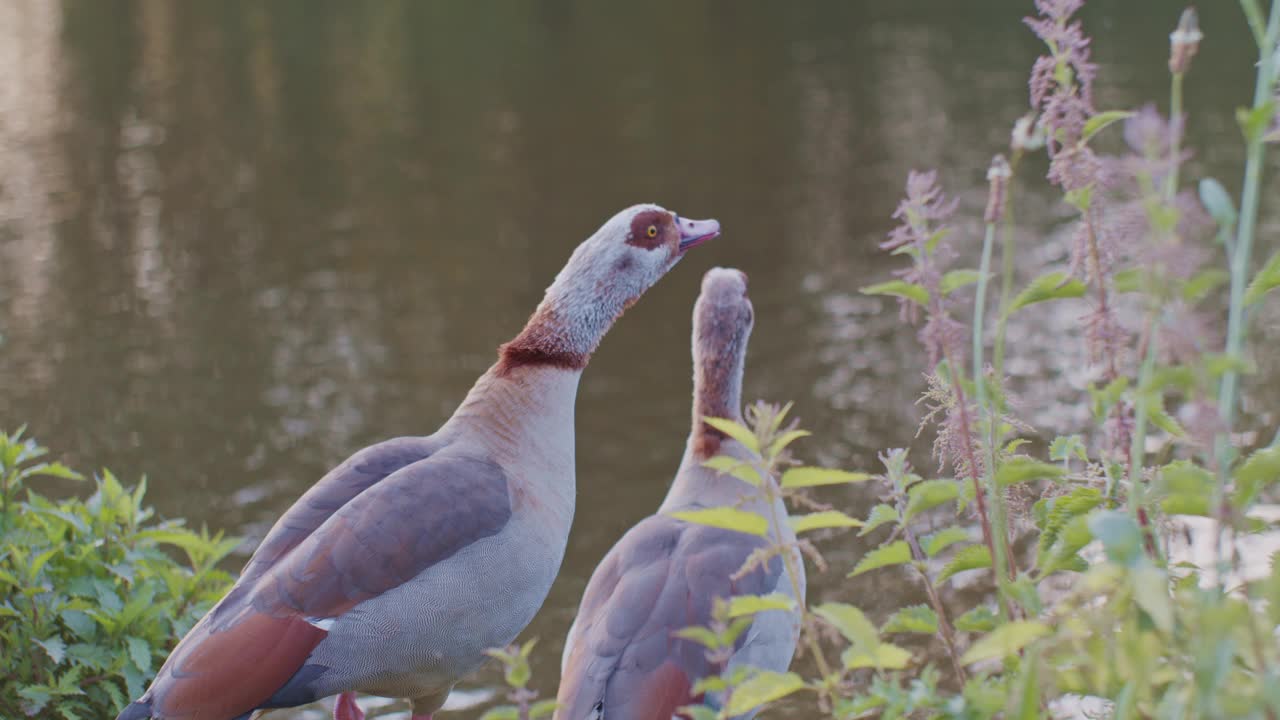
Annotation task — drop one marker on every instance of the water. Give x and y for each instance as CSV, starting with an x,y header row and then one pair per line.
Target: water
x,y
240,240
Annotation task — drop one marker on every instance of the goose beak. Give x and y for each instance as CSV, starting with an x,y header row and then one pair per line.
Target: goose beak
x,y
695,232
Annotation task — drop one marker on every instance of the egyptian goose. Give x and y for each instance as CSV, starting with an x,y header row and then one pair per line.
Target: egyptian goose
x,y
394,573
622,660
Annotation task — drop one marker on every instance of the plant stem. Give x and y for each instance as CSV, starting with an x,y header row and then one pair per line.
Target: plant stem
x,y
944,625
1002,562
1243,246
1175,144
1008,241
1138,441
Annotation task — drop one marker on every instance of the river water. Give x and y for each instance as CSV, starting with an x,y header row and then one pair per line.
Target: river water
x,y
240,240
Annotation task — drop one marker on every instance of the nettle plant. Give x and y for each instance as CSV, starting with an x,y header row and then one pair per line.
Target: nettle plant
x,y
90,600
1096,612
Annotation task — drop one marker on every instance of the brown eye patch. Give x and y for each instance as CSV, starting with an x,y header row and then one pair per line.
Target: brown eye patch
x,y
650,229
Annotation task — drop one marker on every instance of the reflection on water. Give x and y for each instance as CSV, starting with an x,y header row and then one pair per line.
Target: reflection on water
x,y
240,240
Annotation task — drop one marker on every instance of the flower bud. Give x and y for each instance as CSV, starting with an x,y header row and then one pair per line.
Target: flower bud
x,y
1028,133
1184,42
998,180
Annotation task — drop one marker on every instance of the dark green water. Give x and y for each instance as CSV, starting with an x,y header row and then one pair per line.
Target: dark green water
x,y
240,240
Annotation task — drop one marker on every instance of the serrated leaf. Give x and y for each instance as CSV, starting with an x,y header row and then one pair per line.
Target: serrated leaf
x,y
1052,286
1022,468
899,288
762,688
725,465
912,619
738,432
1257,471
728,518
743,605
139,653
1005,640
979,619
822,520
55,648
895,553
943,539
885,656
1187,489
1064,447
957,279
972,557
928,495
851,622
880,515
1099,121
1267,279
801,477
786,439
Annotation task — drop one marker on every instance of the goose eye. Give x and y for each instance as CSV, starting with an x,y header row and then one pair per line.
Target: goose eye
x,y
652,231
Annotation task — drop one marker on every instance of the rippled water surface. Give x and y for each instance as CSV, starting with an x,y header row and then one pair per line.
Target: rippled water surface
x,y
240,240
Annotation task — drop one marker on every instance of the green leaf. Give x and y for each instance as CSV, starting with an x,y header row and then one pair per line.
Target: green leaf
x,y
1218,202
957,279
899,288
1257,471
505,712
1064,447
1187,489
698,712
762,688
743,605
885,656
1005,640
728,518
541,709
1120,536
700,635
1099,121
139,653
1151,592
1203,283
851,622
822,520
786,439
930,494
943,539
1052,286
800,477
736,431
725,465
1267,279
1022,468
979,619
1253,122
880,515
912,619
895,553
54,648
972,557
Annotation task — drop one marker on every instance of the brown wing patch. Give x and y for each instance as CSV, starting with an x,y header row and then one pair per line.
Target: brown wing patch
x,y
249,646
226,672
653,228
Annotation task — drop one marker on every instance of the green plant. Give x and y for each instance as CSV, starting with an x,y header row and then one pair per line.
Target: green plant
x,y
1098,606
516,673
92,602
